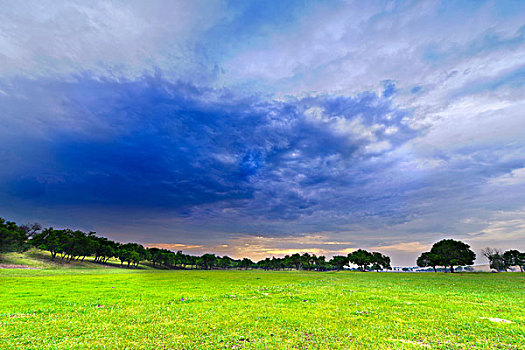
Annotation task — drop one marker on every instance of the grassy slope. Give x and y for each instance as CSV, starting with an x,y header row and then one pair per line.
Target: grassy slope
x,y
118,308
35,258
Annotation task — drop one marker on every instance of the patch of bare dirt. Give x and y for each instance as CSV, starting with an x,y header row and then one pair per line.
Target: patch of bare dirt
x,y
5,266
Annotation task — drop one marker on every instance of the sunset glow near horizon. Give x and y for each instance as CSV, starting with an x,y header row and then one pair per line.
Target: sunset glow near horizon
x,y
264,128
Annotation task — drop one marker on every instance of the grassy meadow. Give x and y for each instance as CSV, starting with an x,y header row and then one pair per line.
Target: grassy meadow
x,y
148,309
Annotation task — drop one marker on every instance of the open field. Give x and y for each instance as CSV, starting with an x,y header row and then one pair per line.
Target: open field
x,y
133,309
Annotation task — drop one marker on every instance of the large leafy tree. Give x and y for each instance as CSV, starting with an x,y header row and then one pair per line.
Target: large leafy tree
x,y
452,253
361,258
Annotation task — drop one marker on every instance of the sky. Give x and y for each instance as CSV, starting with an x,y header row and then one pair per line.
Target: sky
x,y
264,128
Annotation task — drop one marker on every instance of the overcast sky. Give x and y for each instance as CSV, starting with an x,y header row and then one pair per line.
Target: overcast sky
x,y
260,128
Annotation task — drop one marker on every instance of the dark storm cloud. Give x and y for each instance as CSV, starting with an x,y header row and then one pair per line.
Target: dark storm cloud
x,y
155,144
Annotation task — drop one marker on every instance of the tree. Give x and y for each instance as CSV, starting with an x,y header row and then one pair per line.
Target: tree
x,y
321,264
514,258
12,237
132,253
380,262
361,258
76,244
522,261
51,240
84,245
245,263
181,259
123,254
264,264
31,229
225,262
155,255
207,261
427,259
104,249
339,262
276,263
495,257
296,261
453,253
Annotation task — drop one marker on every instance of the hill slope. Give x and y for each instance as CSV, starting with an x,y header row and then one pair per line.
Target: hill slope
x,y
39,259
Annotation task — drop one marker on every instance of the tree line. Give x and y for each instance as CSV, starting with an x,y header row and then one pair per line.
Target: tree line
x,y
70,245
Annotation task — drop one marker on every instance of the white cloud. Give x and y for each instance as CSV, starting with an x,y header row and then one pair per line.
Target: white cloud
x,y
119,40
503,228
409,247
515,177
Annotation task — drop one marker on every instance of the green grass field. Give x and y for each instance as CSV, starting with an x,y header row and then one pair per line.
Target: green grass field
x,y
133,309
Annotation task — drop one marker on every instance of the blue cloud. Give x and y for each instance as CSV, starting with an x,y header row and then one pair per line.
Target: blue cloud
x,y
154,144
389,88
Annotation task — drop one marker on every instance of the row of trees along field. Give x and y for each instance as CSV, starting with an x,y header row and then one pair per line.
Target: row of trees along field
x,y
68,245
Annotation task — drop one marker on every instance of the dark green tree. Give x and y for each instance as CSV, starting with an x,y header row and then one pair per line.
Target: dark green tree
x,y
296,261
225,262
453,253
321,264
51,240
380,261
155,255
12,237
521,261
207,261
361,258
427,259
514,258
246,263
104,249
339,262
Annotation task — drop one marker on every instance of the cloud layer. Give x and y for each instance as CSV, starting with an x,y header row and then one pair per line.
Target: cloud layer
x,y
249,128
